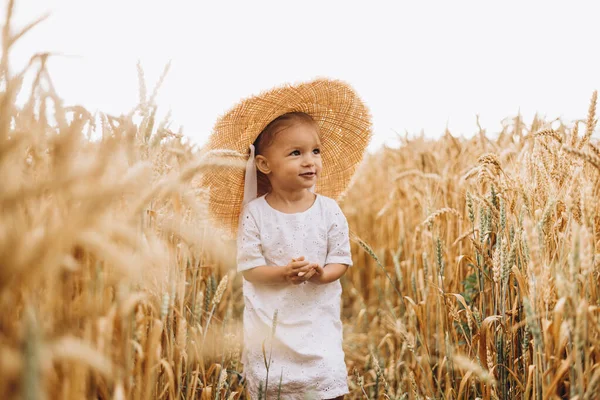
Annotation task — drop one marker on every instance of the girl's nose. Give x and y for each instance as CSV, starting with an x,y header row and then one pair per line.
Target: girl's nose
x,y
308,161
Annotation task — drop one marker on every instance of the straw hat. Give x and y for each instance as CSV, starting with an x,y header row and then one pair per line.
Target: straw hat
x,y
345,126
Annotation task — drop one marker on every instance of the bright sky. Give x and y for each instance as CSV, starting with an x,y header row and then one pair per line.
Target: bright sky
x,y
417,64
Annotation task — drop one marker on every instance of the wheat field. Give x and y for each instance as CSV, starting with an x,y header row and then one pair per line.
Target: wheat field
x,y
476,274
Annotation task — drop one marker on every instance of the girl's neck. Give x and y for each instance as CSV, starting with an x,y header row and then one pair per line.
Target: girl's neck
x,y
290,201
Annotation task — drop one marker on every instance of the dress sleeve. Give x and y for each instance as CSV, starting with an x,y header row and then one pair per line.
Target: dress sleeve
x,y
338,240
249,248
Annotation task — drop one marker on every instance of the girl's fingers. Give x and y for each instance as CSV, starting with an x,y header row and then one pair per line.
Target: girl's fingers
x,y
308,271
296,280
305,269
299,264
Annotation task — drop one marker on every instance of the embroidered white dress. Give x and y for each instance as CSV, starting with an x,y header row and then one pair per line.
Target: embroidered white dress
x,y
307,354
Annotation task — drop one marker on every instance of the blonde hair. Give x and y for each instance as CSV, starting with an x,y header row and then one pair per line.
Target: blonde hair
x,y
281,123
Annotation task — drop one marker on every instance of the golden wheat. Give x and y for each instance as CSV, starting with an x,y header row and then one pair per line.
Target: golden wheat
x,y
114,285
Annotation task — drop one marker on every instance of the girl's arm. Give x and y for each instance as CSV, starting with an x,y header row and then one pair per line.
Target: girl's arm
x,y
328,274
265,274
339,257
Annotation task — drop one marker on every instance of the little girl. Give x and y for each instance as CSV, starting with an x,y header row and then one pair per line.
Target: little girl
x,y
292,242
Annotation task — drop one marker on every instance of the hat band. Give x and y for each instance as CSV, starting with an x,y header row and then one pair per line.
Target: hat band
x,y
251,181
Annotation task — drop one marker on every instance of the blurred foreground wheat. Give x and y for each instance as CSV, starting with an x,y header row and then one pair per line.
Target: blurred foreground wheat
x,y
476,261
109,270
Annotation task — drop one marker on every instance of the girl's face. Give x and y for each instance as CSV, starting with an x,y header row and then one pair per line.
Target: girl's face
x,y
293,161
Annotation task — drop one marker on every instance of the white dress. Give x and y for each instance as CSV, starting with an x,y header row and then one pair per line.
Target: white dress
x,y
307,354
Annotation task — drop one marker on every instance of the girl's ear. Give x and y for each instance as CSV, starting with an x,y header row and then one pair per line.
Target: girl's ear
x,y
262,164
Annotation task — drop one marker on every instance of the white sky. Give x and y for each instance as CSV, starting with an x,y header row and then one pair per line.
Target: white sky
x,y
418,64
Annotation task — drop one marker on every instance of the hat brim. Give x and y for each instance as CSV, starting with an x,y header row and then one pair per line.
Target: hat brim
x,y
345,126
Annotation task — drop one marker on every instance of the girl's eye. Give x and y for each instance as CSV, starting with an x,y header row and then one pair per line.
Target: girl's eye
x,y
317,151
295,153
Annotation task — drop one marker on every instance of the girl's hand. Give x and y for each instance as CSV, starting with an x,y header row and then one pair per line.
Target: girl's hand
x,y
298,271
319,275
329,273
